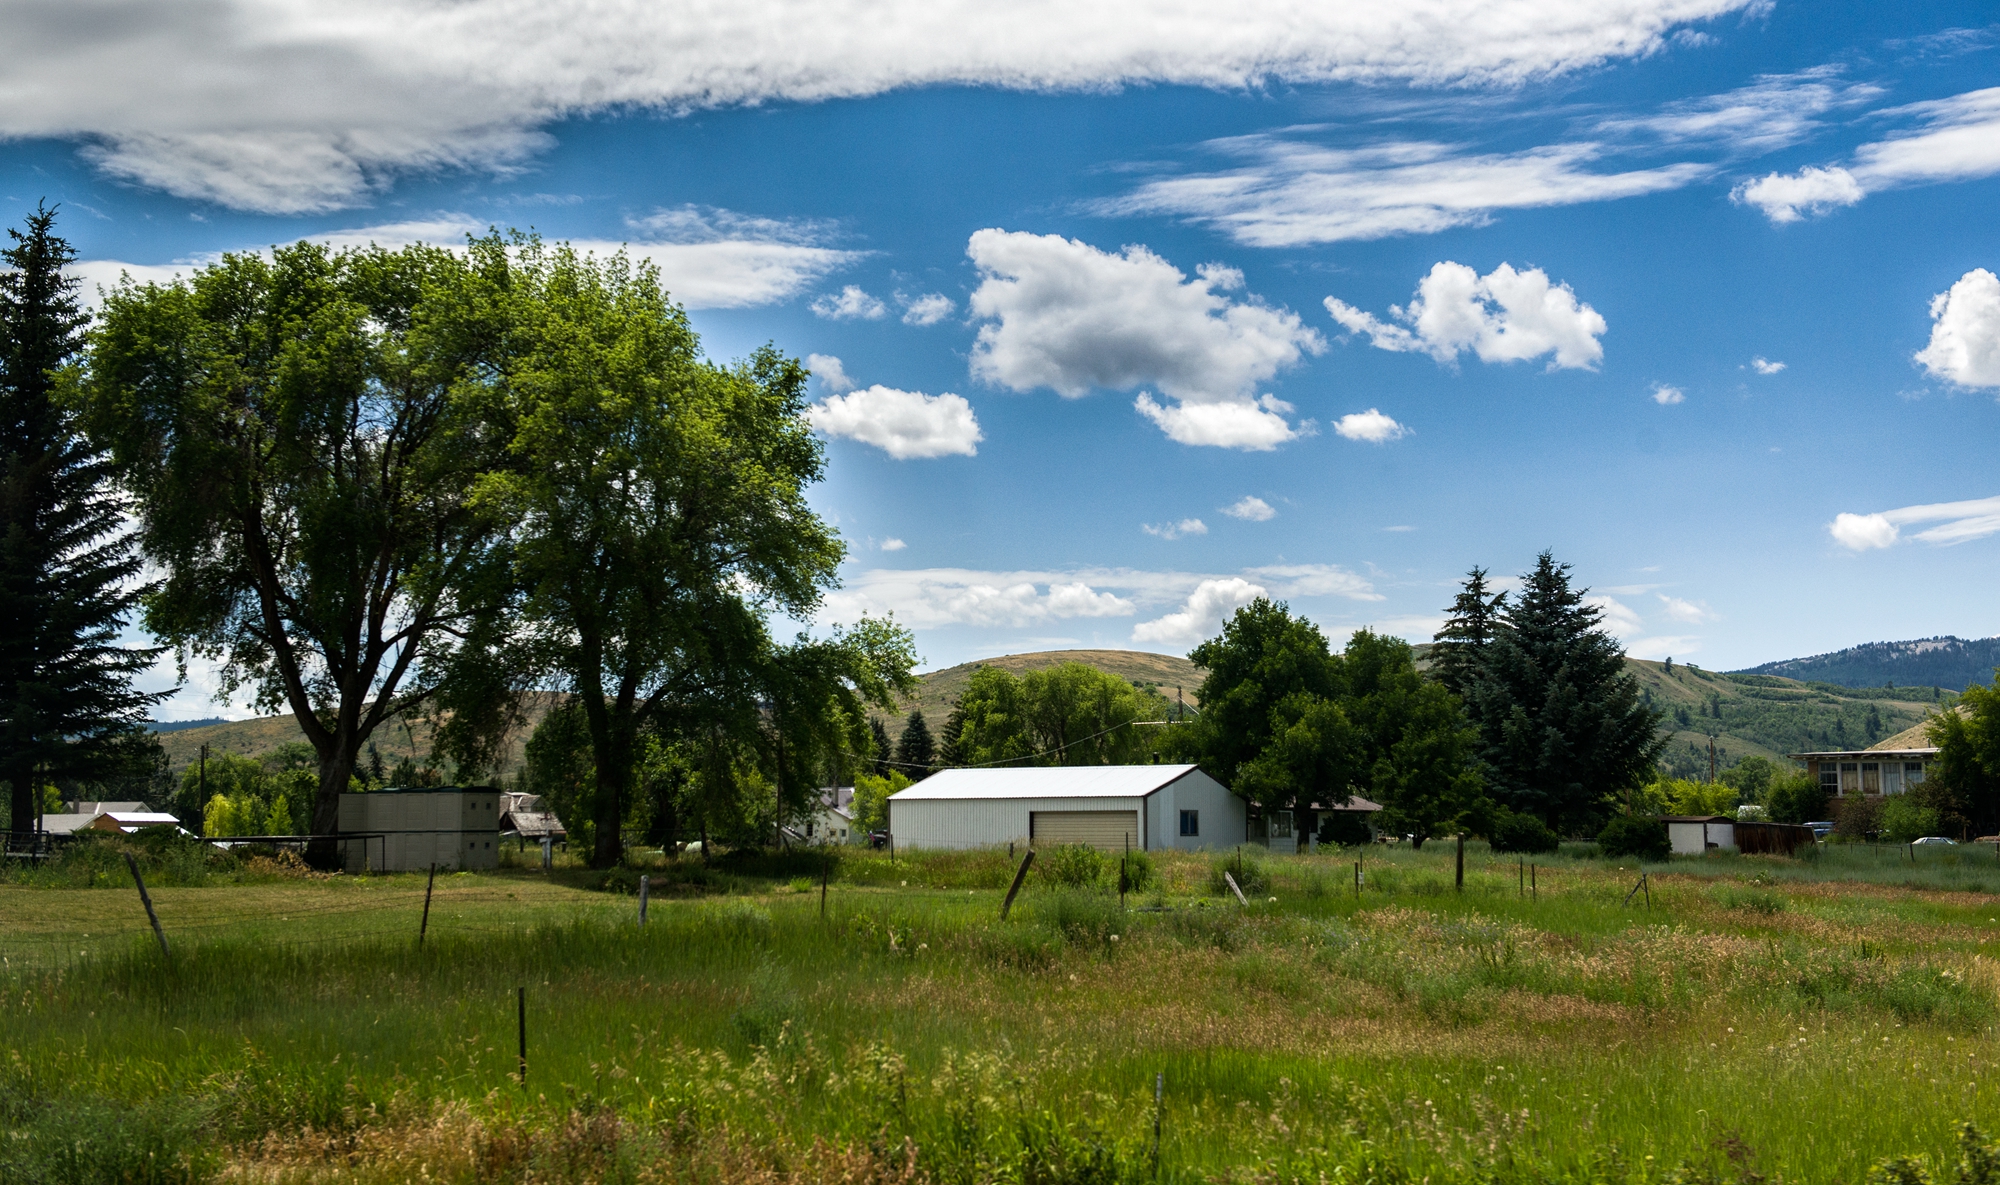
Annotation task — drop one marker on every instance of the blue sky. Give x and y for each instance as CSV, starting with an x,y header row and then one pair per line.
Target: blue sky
x,y
1122,315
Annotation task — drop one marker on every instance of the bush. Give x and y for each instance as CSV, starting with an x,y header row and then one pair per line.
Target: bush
x,y
1795,798
1635,835
1856,817
1514,832
1137,872
1904,818
1348,829
1071,865
1249,872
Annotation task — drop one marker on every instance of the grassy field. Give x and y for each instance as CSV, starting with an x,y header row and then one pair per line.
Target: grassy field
x,y
1763,1019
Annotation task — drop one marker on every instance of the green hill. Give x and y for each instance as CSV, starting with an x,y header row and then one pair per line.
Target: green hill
x,y
263,734
1164,673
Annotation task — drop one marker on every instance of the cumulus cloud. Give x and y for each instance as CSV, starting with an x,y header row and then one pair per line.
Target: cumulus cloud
x,y
708,258
893,545
1253,425
935,597
828,370
1187,526
1965,332
1954,139
1250,508
1290,193
1789,197
1958,522
1503,316
1765,366
927,309
849,304
1061,314
904,424
1207,607
1370,426
1667,396
281,107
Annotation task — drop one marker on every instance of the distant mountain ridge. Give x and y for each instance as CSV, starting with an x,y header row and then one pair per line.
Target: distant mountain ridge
x,y
1951,663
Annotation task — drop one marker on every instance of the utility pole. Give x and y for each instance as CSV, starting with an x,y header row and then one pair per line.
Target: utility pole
x,y
1711,759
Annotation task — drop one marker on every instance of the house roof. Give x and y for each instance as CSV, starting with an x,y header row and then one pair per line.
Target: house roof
x,y
66,824
1863,754
1070,781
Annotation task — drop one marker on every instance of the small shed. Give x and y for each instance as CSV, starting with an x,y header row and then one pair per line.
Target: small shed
x,y
1695,835
1150,807
450,826
527,818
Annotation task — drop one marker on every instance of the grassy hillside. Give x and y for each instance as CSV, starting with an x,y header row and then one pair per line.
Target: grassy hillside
x,y
1769,716
1163,673
256,737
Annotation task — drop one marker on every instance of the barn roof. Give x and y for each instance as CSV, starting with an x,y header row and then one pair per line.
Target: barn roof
x,y
1070,781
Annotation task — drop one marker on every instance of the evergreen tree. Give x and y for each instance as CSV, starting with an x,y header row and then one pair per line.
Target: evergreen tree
x,y
1474,619
915,752
1563,729
951,750
884,750
67,707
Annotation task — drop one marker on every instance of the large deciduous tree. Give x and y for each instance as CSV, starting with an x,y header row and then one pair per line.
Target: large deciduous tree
x,y
1069,714
68,567
1417,754
301,436
1963,784
1563,727
659,516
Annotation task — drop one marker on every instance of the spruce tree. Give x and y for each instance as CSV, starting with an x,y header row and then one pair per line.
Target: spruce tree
x,y
1563,728
951,752
915,753
1461,645
67,566
884,750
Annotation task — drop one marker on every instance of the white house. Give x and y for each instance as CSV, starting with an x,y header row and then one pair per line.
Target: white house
x,y
1151,807
832,820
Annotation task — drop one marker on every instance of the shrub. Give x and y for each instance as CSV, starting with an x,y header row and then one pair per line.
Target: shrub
x,y
1795,798
1514,832
1856,817
1903,819
1071,865
1249,872
1349,829
1635,835
1136,871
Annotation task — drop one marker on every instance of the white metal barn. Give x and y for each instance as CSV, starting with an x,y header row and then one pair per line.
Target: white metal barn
x,y
451,827
1107,806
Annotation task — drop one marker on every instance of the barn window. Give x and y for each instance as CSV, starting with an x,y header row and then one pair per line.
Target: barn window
x,y
1190,822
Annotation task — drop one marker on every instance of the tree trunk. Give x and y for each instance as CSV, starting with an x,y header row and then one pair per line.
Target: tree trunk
x,y
614,771
335,772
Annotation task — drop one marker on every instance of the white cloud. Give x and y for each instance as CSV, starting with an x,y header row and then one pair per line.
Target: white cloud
x,y
828,369
708,258
1765,366
893,545
1253,425
1399,529
1663,646
1775,111
283,107
1956,139
1371,426
935,597
1667,396
1684,610
1965,332
1250,508
1615,617
1207,607
1503,316
927,309
904,424
1062,314
849,304
1811,190
1292,193
1959,522
1187,526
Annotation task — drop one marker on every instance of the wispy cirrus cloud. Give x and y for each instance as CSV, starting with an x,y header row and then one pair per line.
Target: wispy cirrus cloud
x,y
1950,139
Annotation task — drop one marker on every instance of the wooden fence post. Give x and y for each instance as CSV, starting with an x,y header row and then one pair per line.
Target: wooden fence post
x,y
645,891
521,1003
146,899
1020,874
1461,861
424,926
1235,888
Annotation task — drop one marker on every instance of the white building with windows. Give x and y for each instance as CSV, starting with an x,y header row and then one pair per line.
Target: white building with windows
x,y
1149,807
1868,772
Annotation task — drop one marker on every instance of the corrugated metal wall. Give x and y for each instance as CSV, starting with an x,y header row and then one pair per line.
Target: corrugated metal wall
x,y
455,829
996,822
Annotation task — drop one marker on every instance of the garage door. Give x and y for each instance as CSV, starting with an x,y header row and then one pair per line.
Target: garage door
x,y
1105,830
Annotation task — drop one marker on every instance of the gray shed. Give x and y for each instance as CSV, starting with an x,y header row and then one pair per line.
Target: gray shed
x,y
1151,807
453,827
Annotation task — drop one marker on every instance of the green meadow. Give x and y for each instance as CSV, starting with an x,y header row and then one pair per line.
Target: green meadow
x,y
1736,1019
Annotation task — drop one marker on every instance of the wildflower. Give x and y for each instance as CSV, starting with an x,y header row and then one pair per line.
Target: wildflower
x,y
1114,938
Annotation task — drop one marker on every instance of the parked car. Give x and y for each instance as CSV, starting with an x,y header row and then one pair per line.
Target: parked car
x,y
1935,839
1821,828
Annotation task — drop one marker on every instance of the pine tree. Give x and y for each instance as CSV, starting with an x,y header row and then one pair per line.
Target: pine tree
x,y
1563,727
1461,645
67,567
884,751
915,753
951,749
